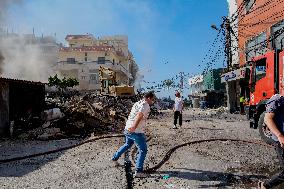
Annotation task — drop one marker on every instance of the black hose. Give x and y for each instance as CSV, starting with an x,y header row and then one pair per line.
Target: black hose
x,y
128,171
59,149
166,157
172,150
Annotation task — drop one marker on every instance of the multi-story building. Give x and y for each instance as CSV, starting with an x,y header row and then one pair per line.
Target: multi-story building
x,y
259,23
85,54
208,87
255,28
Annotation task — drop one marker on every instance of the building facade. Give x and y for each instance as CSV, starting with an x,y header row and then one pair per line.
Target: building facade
x,y
208,88
259,27
255,29
84,55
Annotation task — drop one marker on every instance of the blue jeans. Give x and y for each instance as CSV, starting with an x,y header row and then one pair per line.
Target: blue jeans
x,y
140,141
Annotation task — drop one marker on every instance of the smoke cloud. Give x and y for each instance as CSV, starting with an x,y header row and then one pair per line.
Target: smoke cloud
x,y
1,61
4,6
24,57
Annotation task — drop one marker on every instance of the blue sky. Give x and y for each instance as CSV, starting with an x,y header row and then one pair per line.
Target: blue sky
x,y
159,31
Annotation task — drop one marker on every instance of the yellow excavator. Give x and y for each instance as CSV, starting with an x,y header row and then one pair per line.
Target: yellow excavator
x,y
109,84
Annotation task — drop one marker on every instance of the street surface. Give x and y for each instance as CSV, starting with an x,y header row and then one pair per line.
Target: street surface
x,y
207,165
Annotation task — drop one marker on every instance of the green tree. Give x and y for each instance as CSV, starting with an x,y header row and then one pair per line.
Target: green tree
x,y
63,83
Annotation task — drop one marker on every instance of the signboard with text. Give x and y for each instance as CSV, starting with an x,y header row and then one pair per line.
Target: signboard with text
x,y
233,75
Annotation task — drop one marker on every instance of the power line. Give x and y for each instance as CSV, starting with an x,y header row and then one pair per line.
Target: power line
x,y
258,8
274,16
237,12
276,34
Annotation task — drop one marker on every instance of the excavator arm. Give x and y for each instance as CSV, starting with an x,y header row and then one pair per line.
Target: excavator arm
x,y
109,85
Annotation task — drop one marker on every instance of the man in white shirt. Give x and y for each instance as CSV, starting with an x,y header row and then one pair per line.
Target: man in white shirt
x,y
134,132
178,107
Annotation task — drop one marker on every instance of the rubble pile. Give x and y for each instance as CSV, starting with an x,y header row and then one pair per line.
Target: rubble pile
x,y
79,116
217,112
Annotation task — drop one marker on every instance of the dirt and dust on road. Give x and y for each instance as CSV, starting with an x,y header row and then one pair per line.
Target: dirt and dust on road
x,y
214,164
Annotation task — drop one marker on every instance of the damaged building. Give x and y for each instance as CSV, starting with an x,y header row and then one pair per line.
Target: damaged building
x,y
20,101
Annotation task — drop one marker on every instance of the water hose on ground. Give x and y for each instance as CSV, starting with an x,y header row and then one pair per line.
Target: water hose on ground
x,y
152,169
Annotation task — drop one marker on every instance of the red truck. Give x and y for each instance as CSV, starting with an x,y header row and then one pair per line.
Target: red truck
x,y
266,78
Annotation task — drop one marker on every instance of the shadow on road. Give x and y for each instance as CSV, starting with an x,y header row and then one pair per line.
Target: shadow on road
x,y
19,149
224,179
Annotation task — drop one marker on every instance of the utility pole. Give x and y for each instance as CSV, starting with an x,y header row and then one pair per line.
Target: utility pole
x,y
181,82
230,85
228,44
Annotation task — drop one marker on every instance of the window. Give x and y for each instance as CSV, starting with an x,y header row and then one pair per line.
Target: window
x,y
260,69
277,35
256,46
93,71
101,60
86,54
86,59
249,4
83,77
71,60
94,78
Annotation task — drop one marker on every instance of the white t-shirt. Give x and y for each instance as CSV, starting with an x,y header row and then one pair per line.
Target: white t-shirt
x,y
178,104
140,106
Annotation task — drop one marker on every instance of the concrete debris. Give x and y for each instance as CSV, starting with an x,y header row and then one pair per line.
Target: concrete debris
x,y
73,115
52,114
222,109
50,133
46,124
81,115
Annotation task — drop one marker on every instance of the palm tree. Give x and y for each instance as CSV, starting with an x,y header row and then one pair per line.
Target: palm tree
x,y
168,83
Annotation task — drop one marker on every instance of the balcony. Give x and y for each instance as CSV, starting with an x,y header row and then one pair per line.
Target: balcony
x,y
118,67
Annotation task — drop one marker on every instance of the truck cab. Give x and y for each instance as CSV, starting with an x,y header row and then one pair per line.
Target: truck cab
x,y
265,80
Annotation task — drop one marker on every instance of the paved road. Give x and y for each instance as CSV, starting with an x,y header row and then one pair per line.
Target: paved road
x,y
206,165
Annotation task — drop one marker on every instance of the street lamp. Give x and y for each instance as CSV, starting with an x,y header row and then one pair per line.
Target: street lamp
x,y
214,27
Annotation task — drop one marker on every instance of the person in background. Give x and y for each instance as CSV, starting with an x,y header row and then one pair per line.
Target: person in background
x,y
274,119
242,104
178,107
135,132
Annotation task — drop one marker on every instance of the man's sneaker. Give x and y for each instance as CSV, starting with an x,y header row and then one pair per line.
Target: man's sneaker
x,y
140,174
174,127
115,163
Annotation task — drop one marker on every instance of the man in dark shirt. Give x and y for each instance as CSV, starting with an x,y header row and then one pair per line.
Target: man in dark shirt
x,y
274,119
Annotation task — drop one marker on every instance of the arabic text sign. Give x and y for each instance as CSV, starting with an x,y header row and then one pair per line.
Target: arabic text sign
x,y
233,75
